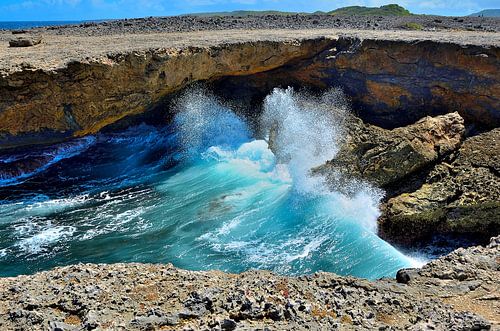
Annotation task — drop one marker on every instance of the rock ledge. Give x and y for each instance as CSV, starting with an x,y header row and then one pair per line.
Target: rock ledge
x,y
460,291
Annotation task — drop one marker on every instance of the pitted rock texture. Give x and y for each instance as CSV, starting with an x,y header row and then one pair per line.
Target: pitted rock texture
x,y
458,292
460,196
84,97
385,157
394,83
74,85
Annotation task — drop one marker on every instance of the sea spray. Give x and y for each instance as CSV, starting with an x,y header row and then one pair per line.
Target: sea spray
x,y
202,120
227,202
305,131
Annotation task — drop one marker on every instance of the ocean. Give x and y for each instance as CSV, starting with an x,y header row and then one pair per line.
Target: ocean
x,y
203,192
33,24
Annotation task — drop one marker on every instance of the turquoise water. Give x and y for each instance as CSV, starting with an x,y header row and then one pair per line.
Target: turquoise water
x,y
205,192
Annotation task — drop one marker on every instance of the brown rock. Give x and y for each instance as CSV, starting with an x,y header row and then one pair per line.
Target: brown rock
x,y
86,96
25,41
19,31
385,157
460,196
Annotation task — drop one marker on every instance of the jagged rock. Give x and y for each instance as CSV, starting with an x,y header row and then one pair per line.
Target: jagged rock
x,y
456,292
460,195
385,157
392,78
89,94
25,41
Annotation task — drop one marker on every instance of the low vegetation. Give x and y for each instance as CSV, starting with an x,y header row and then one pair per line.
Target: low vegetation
x,y
387,10
413,26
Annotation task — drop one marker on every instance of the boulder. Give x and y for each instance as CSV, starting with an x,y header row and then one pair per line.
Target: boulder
x,y
385,157
459,196
19,31
25,41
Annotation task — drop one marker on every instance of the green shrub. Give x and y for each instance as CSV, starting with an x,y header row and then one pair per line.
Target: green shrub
x,y
413,26
387,10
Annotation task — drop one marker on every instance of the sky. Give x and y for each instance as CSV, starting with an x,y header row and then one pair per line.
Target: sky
x,y
48,10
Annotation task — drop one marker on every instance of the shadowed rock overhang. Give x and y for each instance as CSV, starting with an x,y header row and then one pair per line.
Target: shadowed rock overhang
x,y
393,78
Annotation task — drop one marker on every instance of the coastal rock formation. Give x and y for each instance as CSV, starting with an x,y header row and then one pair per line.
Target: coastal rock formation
x,y
460,195
38,106
25,41
393,79
385,157
458,292
394,83
435,184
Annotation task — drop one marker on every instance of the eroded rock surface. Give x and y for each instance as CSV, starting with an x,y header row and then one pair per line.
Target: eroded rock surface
x,y
84,97
460,195
25,41
397,82
457,292
394,78
385,157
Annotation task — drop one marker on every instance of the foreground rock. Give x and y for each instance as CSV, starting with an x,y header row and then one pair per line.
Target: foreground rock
x,y
459,196
458,292
25,41
385,157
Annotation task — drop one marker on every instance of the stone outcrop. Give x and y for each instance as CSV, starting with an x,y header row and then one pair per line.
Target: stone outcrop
x,y
436,183
38,106
394,82
25,41
458,292
385,157
460,196
393,79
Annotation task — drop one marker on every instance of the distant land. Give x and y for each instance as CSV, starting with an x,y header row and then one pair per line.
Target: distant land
x,y
487,13
387,10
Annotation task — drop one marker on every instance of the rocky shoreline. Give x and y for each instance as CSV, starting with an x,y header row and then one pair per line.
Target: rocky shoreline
x,y
313,21
436,182
460,291
427,133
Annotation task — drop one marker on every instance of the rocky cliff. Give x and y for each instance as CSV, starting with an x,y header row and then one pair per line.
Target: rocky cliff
x,y
459,195
392,79
85,96
458,292
396,81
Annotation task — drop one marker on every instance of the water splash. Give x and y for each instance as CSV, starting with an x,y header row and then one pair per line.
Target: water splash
x,y
228,201
203,121
305,131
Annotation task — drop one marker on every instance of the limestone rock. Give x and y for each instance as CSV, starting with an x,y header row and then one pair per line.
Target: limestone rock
x,y
460,196
89,94
25,41
385,157
455,292
393,83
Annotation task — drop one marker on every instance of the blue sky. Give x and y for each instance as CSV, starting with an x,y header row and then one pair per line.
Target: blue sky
x,y
28,10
